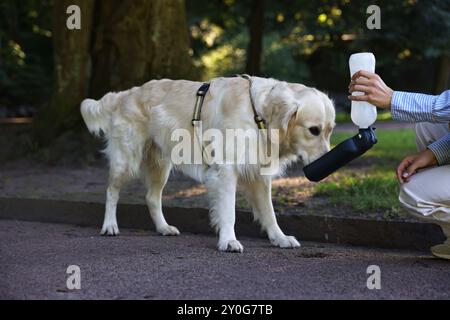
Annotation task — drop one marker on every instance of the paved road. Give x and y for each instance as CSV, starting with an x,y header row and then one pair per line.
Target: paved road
x,y
34,258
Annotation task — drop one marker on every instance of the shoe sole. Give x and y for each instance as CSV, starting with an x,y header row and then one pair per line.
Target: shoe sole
x,y
442,256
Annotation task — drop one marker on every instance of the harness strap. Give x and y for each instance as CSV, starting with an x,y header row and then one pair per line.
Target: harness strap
x,y
260,122
201,93
196,119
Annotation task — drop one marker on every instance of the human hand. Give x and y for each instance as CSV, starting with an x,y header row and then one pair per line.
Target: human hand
x,y
375,90
409,166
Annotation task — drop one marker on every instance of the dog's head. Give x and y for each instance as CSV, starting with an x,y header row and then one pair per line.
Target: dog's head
x,y
305,117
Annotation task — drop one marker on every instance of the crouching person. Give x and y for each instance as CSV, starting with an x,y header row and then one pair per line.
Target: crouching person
x,y
427,194
424,177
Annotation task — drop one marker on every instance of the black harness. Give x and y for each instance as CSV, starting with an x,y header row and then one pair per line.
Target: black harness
x,y
201,93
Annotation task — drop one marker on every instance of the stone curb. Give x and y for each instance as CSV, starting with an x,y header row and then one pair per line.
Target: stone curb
x,y
352,231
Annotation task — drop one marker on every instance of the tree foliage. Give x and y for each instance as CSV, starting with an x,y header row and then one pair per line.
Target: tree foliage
x,y
306,41
310,41
26,57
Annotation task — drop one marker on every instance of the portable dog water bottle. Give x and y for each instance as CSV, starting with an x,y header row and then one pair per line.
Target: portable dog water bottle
x,y
363,115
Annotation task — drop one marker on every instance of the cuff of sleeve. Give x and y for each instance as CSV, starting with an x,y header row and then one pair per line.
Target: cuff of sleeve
x,y
396,106
441,150
395,100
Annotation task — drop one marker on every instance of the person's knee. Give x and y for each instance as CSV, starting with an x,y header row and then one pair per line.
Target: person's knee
x,y
406,196
410,200
426,195
412,196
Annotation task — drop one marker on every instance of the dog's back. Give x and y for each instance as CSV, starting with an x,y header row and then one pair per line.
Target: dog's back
x,y
138,101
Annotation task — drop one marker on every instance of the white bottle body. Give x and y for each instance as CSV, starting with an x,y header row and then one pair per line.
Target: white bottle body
x,y
363,113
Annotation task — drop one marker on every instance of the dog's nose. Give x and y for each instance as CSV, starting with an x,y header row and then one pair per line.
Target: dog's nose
x,y
304,160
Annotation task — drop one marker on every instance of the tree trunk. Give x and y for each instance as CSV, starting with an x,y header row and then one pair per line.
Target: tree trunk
x,y
256,28
123,43
442,74
72,71
137,41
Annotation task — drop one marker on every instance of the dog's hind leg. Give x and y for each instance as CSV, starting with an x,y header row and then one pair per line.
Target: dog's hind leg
x,y
221,187
258,194
121,170
156,172
116,180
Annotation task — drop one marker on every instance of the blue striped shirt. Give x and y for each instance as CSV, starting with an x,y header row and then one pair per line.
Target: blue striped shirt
x,y
418,107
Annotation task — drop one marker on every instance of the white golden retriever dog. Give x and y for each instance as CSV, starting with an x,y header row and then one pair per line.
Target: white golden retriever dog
x,y
138,125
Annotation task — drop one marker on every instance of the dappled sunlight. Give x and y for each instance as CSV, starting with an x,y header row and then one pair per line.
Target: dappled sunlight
x,y
291,182
224,58
195,191
292,192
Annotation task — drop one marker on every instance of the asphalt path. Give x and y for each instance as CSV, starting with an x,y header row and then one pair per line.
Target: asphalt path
x,y
34,258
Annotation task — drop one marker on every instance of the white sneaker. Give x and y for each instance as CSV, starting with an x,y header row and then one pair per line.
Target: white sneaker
x,y
441,250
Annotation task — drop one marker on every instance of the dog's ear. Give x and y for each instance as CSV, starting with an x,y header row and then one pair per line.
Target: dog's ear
x,y
280,107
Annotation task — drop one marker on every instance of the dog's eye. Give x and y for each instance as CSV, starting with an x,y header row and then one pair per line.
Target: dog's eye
x,y
315,131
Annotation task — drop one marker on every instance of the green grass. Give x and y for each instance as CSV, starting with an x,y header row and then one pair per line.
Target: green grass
x,y
373,193
371,187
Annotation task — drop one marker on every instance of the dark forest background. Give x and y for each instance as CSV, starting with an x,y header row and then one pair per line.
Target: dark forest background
x,y
46,69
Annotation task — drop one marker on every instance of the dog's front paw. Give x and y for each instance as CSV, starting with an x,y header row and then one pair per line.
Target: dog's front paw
x,y
230,246
286,242
168,231
110,229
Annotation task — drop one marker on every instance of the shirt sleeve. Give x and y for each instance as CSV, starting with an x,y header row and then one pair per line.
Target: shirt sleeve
x,y
441,149
418,107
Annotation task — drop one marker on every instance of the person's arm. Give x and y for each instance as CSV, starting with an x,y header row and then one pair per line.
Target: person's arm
x,y
405,106
441,150
411,107
418,107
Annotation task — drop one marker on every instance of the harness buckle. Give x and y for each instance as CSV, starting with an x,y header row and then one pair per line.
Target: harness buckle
x,y
260,122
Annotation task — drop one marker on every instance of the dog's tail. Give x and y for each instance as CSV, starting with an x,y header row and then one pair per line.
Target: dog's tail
x,y
96,115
